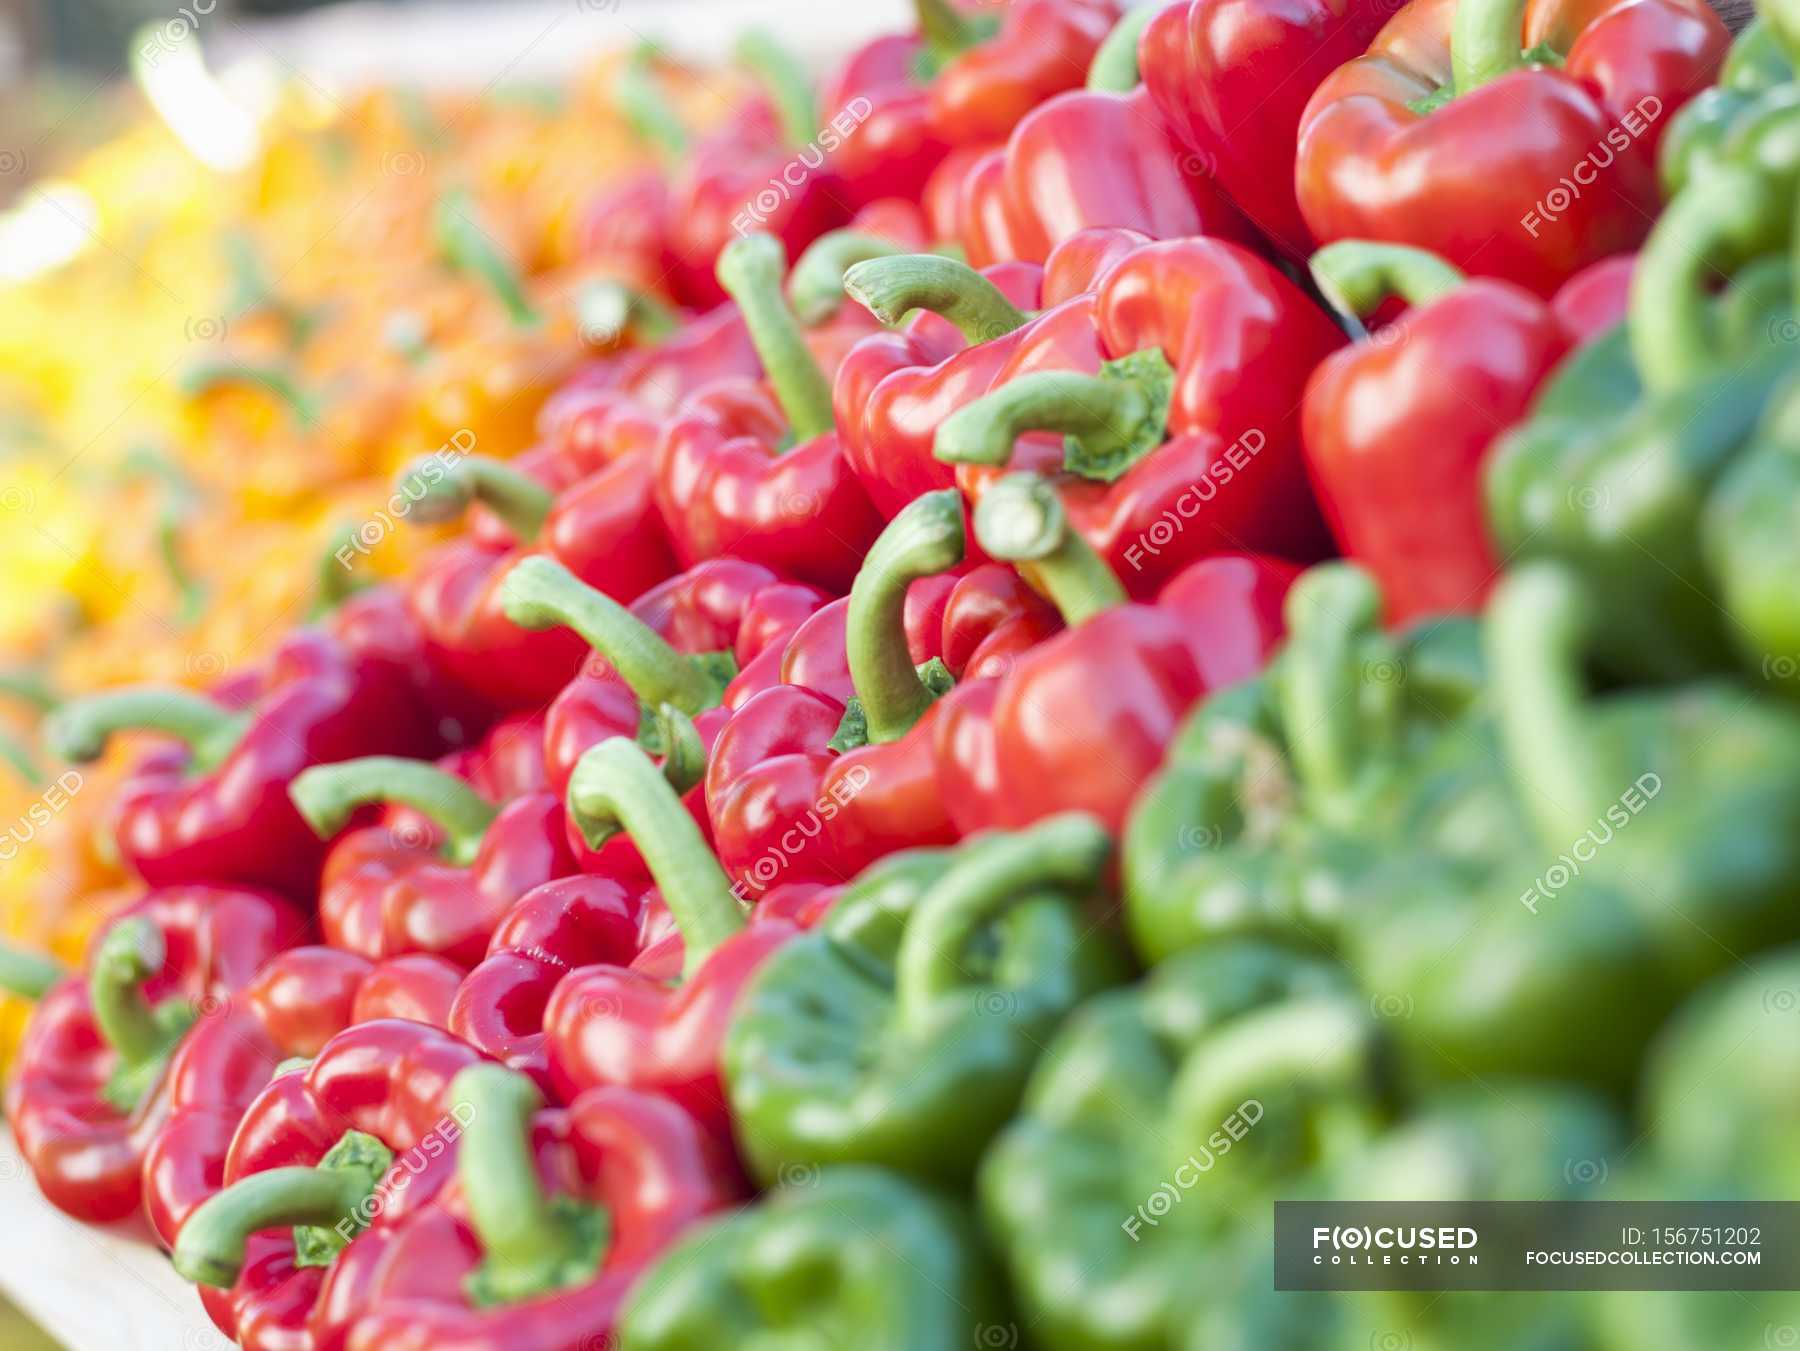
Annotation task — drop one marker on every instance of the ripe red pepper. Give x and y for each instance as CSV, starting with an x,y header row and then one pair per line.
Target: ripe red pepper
x,y
620,1026
1209,64
342,1150
801,787
376,621
220,812
1120,679
724,484
86,1092
1398,426
1522,146
1090,158
298,1001
552,1217
1186,442
389,890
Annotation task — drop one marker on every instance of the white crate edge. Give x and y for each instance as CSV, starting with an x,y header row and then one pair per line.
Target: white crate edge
x,y
91,1289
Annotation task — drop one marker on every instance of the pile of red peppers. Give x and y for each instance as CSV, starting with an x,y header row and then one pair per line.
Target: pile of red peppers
x,y
936,499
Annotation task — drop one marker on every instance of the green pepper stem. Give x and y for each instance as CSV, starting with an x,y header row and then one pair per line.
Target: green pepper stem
x,y
1063,853
1333,613
610,308
1113,420
210,1247
750,269
644,103
335,583
29,975
684,753
924,539
615,786
532,1246
445,491
142,1036
18,758
1115,65
29,688
889,288
328,795
540,593
1708,229
467,247
1537,627
1021,520
1356,275
79,730
1487,41
271,379
947,30
815,287
784,79
1319,1050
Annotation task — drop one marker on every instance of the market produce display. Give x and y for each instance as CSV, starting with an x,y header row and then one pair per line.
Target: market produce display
x,y
872,707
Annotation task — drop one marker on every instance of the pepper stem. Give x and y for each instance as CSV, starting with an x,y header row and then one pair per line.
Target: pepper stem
x,y
784,79
643,102
79,730
1706,231
750,269
142,1036
1356,275
329,1201
889,288
926,538
467,247
271,379
1486,41
815,286
614,787
334,581
446,490
534,1243
608,309
948,31
683,752
328,795
1537,626
1021,520
28,687
540,593
29,975
989,876
1110,420
1115,65
1326,675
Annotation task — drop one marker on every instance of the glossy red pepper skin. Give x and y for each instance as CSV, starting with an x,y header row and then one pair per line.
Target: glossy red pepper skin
x,y
1084,718
1088,159
893,148
603,407
1398,428
376,621
1041,49
386,1078
298,1001
320,701
1232,78
86,1152
637,1156
1470,181
1230,474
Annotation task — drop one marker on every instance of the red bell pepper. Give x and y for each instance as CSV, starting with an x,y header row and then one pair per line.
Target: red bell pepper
x,y
811,782
220,813
889,147
1083,719
723,484
1398,426
298,1001
342,1150
388,891
1514,140
1232,78
376,621
1090,158
551,1218
885,228
615,1025
87,1086
1187,441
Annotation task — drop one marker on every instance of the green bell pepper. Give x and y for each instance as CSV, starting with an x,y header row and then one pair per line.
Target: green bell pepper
x,y
849,1257
1273,794
900,1031
1697,136
1153,1134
